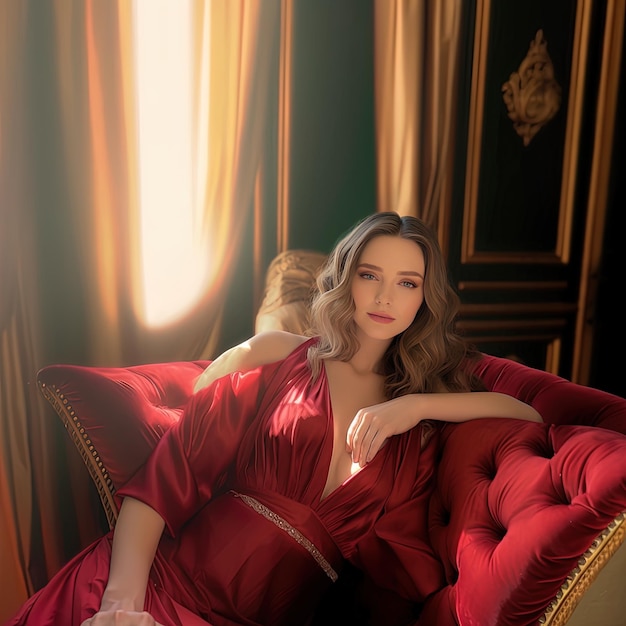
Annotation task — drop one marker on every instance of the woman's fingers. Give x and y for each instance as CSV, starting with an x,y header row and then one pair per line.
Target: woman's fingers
x,y
352,428
373,425
374,446
365,436
355,436
121,618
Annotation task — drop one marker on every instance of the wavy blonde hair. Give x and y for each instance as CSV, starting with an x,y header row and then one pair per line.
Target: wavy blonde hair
x,y
429,355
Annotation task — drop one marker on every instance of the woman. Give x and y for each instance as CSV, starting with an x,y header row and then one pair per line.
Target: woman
x,y
295,456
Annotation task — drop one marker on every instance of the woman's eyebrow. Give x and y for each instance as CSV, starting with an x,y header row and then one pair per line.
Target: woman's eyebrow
x,y
380,269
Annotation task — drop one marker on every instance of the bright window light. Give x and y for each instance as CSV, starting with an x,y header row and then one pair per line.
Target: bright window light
x,y
175,261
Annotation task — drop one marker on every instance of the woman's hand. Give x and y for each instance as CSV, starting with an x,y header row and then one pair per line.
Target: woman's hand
x,y
119,617
373,425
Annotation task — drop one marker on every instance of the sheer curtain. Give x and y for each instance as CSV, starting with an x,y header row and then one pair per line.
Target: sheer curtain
x,y
416,71
70,219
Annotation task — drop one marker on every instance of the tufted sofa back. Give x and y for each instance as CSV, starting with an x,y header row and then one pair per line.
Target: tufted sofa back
x,y
514,509
522,502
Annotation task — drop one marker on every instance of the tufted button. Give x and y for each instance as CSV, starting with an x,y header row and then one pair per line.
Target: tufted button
x,y
541,447
499,531
488,469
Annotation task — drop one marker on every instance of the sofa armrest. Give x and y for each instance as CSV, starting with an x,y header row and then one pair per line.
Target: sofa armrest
x,y
559,401
115,415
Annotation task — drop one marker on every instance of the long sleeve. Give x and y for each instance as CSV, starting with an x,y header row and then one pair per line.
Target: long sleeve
x,y
192,458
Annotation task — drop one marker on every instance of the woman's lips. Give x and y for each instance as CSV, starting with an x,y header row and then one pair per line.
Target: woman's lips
x,y
381,318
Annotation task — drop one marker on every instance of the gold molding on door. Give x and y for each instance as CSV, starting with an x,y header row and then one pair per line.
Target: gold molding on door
x,y
598,187
561,254
518,308
512,285
488,326
552,341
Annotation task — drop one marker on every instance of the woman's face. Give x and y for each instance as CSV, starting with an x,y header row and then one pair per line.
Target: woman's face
x,y
388,286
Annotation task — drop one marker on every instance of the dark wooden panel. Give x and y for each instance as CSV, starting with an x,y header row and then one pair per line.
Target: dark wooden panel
x,y
516,230
538,336
519,199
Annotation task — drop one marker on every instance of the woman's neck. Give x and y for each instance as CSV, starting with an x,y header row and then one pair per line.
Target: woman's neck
x,y
368,357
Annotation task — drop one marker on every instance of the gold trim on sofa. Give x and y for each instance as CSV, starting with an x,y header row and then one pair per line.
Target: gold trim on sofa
x,y
581,578
84,445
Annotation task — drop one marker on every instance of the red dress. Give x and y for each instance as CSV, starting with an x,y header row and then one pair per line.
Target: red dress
x,y
249,539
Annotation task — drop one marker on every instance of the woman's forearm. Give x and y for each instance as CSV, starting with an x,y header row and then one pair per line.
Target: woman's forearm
x,y
461,407
135,540
373,425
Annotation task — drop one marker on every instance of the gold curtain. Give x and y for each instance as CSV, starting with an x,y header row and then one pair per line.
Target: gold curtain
x,y
44,491
245,37
19,350
416,72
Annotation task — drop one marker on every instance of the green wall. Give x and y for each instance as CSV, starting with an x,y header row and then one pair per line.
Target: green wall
x,y
332,165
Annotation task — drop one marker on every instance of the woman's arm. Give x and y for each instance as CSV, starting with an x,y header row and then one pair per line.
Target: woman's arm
x,y
265,347
373,425
139,527
135,540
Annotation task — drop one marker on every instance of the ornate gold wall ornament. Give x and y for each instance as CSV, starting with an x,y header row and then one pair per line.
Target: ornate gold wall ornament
x,y
531,95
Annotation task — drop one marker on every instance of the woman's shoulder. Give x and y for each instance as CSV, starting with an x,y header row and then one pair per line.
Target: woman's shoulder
x,y
261,349
272,345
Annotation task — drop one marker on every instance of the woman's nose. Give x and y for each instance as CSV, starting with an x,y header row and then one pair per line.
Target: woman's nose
x,y
383,297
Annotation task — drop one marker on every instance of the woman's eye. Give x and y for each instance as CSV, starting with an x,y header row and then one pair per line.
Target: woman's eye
x,y
408,283
367,276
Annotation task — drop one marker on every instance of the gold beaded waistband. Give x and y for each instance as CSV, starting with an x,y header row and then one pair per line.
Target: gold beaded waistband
x,y
294,533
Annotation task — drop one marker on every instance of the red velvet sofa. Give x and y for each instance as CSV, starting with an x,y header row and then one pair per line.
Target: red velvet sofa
x,y
523,517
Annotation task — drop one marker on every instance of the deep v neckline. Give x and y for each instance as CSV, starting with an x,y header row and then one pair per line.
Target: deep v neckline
x,y
331,433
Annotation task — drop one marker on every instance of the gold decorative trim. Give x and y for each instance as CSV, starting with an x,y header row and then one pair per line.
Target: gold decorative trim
x,y
580,53
513,285
580,579
553,356
561,253
606,112
476,115
518,308
513,324
85,447
551,342
294,533
531,95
